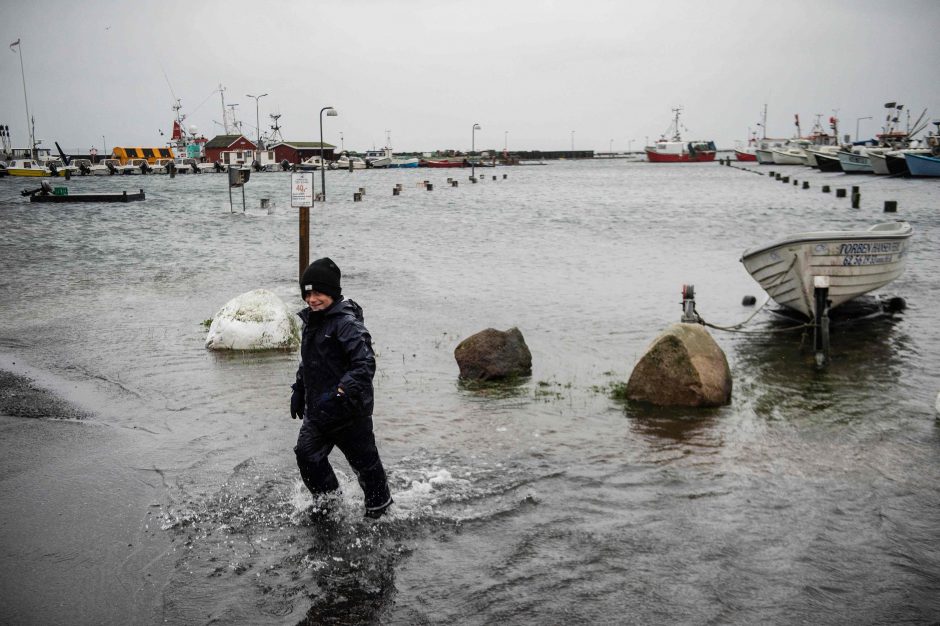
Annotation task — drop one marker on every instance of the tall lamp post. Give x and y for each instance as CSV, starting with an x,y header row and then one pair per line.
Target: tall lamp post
x,y
330,112
856,125
473,148
572,143
257,125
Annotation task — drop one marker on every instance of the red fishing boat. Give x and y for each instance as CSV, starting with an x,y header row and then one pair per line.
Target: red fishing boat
x,y
674,150
746,154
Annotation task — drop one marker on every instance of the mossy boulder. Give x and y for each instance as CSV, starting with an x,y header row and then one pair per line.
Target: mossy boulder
x,y
682,367
493,355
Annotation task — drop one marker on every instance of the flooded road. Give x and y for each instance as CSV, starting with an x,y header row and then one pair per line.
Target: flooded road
x,y
159,483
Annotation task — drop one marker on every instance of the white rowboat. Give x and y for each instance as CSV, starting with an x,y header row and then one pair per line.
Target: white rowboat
x,y
852,263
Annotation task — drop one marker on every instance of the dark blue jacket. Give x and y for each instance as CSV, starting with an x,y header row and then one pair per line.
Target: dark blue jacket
x,y
336,351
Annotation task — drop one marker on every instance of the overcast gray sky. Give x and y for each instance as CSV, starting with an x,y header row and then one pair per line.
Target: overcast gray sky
x,y
427,70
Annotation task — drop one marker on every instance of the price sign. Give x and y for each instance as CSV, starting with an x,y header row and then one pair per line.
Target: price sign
x,y
301,189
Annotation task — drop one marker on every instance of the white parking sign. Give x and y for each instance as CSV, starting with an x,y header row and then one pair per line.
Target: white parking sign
x,y
301,189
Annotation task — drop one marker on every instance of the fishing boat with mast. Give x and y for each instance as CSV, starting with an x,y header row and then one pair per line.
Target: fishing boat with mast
x,y
759,150
675,150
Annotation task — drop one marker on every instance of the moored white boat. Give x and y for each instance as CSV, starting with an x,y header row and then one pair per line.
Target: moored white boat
x,y
378,158
310,164
161,166
879,161
186,165
856,161
343,163
404,162
794,153
852,262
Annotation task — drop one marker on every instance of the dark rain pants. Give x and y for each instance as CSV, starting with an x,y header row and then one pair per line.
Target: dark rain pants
x,y
355,439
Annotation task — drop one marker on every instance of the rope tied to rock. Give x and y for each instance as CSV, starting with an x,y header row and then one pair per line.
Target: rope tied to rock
x,y
738,328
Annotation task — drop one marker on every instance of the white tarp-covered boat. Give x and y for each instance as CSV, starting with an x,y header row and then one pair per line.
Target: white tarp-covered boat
x,y
849,263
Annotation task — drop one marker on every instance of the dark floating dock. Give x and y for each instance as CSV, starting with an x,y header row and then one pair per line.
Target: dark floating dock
x,y
46,194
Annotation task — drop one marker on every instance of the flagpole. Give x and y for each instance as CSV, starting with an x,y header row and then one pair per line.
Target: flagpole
x,y
29,128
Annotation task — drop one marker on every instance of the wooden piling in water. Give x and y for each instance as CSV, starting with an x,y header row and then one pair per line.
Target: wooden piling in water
x,y
891,206
840,192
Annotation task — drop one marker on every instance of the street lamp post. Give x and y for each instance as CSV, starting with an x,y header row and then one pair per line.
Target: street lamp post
x,y
572,144
856,125
330,112
473,148
257,125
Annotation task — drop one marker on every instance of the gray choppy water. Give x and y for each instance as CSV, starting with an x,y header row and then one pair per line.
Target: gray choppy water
x,y
812,497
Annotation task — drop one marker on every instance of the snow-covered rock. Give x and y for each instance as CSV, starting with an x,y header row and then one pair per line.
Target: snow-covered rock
x,y
256,320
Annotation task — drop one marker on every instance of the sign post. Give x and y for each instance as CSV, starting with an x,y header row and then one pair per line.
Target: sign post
x,y
237,177
301,196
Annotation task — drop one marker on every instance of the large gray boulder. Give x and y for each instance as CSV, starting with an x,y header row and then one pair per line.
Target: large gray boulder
x,y
682,367
493,355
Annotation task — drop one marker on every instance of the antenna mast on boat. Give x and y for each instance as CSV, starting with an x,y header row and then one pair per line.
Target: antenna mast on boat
x,y
763,122
236,125
276,135
676,136
30,121
224,115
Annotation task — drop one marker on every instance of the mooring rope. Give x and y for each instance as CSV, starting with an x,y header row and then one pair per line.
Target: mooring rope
x,y
737,328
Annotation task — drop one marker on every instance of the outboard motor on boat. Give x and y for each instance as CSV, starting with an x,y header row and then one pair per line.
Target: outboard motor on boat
x,y
194,167
218,166
44,188
285,165
255,165
53,169
111,168
84,168
145,168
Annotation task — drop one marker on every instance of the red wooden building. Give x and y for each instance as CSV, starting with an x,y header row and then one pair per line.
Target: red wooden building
x,y
297,151
225,143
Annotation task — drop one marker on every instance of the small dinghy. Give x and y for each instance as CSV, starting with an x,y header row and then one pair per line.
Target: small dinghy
x,y
847,263
814,272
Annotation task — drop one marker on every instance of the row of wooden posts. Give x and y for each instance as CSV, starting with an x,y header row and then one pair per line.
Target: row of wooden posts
x,y
891,206
304,216
428,185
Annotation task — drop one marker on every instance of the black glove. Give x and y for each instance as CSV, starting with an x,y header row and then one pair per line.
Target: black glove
x,y
297,401
331,403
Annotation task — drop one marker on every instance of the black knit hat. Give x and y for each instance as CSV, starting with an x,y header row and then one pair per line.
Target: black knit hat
x,y
322,275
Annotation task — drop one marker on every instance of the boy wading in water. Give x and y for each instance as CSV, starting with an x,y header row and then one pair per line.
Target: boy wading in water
x,y
333,391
